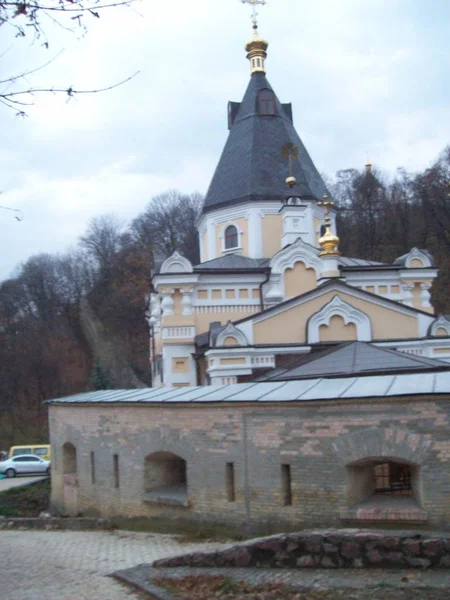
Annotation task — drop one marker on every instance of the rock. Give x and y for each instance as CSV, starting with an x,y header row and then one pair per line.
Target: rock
x,y
350,550
45,515
242,558
422,563
306,561
390,542
433,548
374,557
395,558
327,563
330,549
445,561
313,543
412,547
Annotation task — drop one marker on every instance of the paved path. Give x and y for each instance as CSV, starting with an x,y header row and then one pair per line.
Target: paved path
x,y
69,565
7,484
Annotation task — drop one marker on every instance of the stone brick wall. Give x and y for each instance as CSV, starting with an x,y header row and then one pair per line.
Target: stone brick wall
x,y
319,440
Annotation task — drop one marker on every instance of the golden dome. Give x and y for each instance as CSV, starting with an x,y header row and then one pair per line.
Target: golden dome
x,y
256,49
256,43
329,243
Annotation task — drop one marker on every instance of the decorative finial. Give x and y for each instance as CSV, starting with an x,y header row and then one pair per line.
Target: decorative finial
x,y
290,152
255,14
256,47
329,242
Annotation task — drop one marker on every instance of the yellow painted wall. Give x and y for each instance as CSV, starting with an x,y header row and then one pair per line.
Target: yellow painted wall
x,y
177,298
299,280
272,230
337,331
180,365
290,325
232,361
230,341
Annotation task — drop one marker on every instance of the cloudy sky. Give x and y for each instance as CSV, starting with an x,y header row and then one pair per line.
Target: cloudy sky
x,y
367,79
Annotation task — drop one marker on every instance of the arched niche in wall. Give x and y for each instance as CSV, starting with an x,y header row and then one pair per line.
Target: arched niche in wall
x,y
349,315
338,330
305,265
299,279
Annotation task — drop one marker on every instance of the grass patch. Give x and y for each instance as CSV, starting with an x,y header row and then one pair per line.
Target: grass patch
x,y
26,501
189,531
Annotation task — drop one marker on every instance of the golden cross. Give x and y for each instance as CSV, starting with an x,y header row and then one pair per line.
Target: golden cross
x,y
254,4
327,203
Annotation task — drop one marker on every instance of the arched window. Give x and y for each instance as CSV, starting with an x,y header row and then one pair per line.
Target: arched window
x,y
266,102
231,237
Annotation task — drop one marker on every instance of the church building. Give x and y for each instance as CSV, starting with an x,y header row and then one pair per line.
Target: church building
x,y
272,285
292,386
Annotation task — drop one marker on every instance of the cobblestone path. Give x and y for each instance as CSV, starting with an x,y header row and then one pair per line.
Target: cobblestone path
x,y
69,565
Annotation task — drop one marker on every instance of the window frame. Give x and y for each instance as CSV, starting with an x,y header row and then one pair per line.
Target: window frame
x,y
234,236
266,105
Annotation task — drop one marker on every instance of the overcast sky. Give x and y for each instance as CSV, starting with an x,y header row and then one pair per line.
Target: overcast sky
x,y
367,79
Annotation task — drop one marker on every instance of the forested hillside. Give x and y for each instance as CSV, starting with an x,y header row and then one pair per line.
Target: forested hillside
x,y
75,322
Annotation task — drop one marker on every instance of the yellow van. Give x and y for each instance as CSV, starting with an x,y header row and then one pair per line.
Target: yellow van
x,y
41,450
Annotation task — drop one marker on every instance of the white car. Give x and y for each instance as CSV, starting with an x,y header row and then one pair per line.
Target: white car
x,y
25,463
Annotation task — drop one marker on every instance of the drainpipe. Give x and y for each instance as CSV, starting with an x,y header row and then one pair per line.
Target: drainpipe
x,y
261,301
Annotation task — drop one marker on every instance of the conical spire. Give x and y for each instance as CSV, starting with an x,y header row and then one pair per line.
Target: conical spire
x,y
257,46
252,166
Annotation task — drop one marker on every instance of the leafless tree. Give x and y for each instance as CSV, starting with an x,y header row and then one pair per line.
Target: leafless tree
x,y
169,224
102,240
31,18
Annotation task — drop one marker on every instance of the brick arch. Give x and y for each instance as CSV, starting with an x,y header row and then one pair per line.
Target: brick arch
x,y
378,442
166,439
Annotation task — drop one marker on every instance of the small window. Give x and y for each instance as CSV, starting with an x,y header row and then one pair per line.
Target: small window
x,y
92,467
231,495
286,485
231,237
116,471
266,102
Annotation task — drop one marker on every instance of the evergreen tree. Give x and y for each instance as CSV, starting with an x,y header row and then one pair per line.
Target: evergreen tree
x,y
99,376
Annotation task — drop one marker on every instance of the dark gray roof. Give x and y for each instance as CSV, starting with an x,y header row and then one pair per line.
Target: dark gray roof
x,y
380,386
233,262
355,358
252,166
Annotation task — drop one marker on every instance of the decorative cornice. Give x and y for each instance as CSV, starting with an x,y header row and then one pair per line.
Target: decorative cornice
x,y
176,264
440,323
231,331
298,251
415,253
